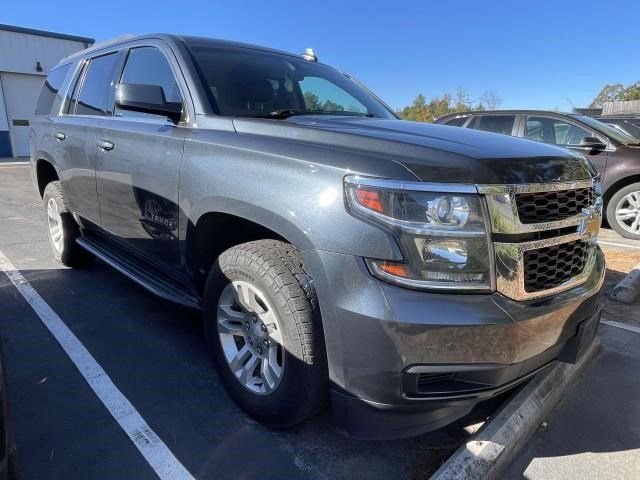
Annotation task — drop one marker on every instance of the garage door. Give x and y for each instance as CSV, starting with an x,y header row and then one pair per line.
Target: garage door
x,y
21,94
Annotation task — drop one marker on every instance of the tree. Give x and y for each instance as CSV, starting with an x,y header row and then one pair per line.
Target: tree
x,y
462,100
491,99
632,92
311,101
422,111
331,106
417,111
609,93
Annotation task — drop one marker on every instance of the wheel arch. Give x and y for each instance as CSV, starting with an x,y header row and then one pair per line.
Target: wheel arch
x,y
215,231
45,173
619,184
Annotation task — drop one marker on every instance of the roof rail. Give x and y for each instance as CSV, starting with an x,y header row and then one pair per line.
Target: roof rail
x,y
106,43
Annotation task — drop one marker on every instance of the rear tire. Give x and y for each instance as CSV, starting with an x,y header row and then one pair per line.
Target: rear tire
x,y
62,229
258,294
623,211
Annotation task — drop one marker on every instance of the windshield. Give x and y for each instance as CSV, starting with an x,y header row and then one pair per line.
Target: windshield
x,y
607,130
253,83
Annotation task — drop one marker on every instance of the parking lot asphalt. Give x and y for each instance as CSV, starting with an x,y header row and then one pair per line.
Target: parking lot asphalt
x,y
154,353
595,430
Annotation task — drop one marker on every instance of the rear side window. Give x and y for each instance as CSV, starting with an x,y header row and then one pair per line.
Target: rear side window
x,y
456,122
148,66
496,123
96,90
51,89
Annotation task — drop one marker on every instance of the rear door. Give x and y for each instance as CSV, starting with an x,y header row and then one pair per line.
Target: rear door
x,y
504,124
47,109
138,165
564,133
75,133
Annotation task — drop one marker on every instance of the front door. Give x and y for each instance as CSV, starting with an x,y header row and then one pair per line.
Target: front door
x,y
566,134
138,168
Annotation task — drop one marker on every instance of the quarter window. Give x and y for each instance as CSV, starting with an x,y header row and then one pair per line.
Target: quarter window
x,y
96,91
556,131
50,90
495,123
149,66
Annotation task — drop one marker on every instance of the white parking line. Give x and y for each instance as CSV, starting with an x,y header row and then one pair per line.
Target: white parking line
x,y
635,247
155,452
624,326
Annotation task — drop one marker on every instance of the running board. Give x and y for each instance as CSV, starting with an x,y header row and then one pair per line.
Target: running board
x,y
141,273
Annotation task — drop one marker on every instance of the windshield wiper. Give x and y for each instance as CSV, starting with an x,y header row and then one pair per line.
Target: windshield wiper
x,y
288,112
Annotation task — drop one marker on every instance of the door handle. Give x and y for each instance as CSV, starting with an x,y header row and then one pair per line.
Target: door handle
x,y
105,145
60,136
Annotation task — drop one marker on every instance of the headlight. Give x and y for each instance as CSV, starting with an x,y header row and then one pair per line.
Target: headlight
x,y
441,231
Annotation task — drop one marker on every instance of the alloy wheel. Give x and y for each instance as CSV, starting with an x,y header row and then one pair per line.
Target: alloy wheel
x,y
251,337
628,212
54,222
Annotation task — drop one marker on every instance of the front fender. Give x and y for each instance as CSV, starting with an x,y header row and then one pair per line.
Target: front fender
x,y
300,200
622,165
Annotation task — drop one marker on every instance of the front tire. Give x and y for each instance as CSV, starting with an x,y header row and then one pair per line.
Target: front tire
x,y
62,229
263,327
623,211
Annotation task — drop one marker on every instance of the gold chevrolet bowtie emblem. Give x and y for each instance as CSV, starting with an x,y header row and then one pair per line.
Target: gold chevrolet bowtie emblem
x,y
591,217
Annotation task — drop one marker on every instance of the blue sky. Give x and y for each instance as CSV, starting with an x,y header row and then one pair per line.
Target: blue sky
x,y
534,54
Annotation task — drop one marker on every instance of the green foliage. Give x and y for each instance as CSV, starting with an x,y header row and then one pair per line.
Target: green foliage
x,y
616,92
312,102
609,93
632,92
422,111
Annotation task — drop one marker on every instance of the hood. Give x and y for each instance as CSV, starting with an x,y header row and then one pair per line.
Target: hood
x,y
433,153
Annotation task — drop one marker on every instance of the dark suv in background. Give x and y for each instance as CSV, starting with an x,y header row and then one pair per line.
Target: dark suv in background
x,y
404,270
615,154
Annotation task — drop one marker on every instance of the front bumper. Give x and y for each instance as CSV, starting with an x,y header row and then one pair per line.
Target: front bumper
x,y
403,362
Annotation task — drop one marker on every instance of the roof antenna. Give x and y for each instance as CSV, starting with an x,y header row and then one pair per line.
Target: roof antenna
x,y
310,55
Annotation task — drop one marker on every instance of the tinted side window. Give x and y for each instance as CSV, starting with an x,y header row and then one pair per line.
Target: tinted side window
x,y
96,89
496,123
50,90
320,94
556,131
456,122
148,66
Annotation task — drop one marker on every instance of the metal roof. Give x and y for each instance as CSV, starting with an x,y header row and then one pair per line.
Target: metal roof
x,y
42,33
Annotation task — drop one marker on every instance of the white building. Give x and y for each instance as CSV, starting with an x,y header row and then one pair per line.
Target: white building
x,y
26,56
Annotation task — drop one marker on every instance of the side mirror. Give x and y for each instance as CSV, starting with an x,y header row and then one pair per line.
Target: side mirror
x,y
147,99
594,144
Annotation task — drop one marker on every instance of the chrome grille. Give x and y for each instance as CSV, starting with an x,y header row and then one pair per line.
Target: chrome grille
x,y
550,267
545,235
539,207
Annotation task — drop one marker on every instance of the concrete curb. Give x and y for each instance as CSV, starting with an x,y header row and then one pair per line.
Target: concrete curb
x,y
628,289
490,451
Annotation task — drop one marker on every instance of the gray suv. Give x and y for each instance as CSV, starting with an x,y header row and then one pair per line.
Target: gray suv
x,y
401,271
